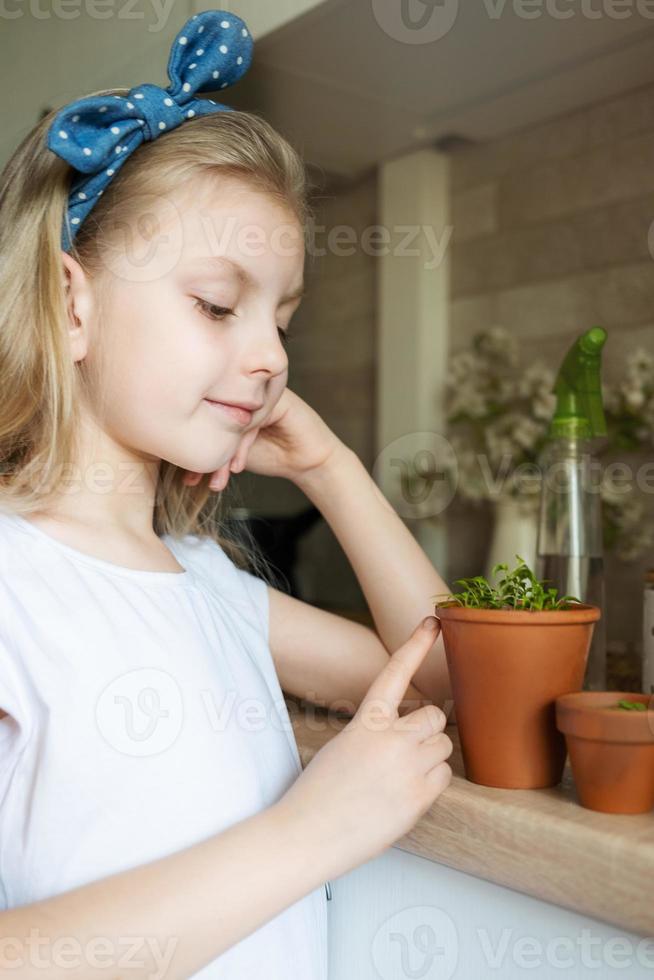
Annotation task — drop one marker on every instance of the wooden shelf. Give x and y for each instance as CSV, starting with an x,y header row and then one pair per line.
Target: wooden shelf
x,y
541,842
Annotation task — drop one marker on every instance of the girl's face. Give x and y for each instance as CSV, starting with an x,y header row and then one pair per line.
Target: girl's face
x,y
199,296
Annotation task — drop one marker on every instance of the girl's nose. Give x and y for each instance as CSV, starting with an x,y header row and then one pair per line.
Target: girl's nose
x,y
268,354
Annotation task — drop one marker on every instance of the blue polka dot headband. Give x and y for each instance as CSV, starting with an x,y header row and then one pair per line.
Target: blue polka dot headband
x,y
95,135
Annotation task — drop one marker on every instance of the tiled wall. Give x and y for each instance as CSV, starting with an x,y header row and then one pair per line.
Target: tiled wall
x,y
551,229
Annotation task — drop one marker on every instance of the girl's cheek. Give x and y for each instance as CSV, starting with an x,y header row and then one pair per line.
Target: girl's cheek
x,y
278,387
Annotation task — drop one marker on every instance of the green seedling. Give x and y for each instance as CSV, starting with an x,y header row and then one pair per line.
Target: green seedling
x,y
518,589
632,705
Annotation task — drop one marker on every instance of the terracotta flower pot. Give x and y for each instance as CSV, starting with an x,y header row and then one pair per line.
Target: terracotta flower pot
x,y
611,750
507,668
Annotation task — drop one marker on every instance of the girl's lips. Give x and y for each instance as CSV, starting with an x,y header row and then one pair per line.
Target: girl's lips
x,y
241,415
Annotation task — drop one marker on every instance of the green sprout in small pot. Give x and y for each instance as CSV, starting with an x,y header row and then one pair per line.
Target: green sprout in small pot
x,y
631,705
519,589
612,756
512,648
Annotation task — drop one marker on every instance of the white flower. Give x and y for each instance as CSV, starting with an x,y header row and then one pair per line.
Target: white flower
x,y
536,379
543,406
634,398
471,484
497,344
506,390
464,367
526,433
476,405
500,411
640,362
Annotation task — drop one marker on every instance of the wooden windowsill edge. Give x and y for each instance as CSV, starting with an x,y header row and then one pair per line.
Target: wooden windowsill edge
x,y
541,842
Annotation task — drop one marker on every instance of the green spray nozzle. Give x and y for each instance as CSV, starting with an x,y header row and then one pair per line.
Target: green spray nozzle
x,y
579,411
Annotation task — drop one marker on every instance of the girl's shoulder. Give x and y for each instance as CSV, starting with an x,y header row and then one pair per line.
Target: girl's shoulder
x,y
202,554
209,562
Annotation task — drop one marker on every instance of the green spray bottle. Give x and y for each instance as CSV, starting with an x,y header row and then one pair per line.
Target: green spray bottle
x,y
569,549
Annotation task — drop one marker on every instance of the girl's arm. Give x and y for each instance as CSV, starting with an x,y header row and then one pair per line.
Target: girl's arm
x,y
395,574
324,658
172,916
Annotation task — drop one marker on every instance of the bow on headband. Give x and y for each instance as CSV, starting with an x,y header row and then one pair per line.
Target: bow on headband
x,y
95,135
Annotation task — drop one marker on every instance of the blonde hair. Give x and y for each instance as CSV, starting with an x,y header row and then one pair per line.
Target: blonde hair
x,y
43,389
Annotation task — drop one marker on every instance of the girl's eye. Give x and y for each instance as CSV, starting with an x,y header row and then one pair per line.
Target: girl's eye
x,y
222,311
205,306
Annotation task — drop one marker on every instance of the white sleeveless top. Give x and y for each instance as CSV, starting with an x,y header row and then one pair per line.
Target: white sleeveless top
x,y
144,715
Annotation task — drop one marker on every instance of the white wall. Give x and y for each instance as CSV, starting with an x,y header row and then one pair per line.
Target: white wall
x,y
401,916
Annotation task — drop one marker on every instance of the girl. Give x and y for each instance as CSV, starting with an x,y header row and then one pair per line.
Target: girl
x,y
149,818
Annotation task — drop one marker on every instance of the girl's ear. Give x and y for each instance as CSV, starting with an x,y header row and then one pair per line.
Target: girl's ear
x,y
79,305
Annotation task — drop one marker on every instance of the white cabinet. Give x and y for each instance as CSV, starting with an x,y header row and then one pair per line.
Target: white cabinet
x,y
401,916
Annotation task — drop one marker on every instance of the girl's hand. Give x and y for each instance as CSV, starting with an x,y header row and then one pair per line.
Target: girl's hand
x,y
290,441
370,783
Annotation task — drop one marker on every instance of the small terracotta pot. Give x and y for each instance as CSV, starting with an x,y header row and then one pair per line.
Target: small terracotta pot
x,y
507,668
611,750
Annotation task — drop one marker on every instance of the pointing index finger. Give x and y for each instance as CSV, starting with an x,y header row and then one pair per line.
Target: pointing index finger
x,y
390,685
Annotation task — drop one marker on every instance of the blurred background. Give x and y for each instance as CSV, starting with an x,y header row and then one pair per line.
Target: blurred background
x,y
484,193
